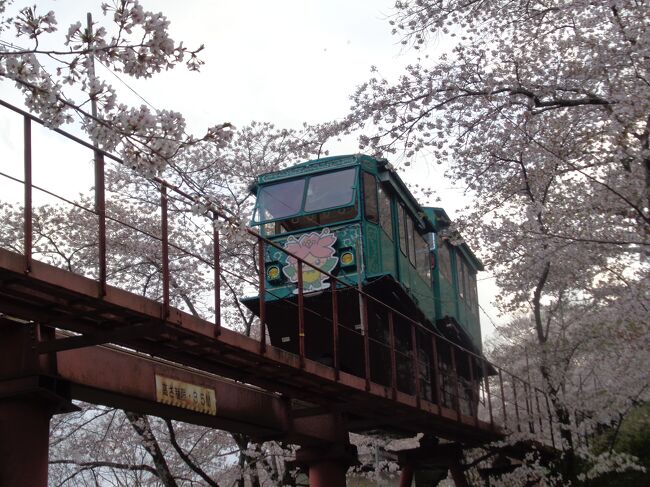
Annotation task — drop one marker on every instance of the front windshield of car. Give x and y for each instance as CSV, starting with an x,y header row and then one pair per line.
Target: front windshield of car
x,y
330,190
279,200
324,191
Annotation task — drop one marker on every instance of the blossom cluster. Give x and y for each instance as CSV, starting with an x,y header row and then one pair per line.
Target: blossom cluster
x,y
136,42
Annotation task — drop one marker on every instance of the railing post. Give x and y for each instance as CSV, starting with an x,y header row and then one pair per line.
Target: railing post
x,y
503,398
301,317
335,332
514,394
436,371
216,256
454,369
550,420
366,339
539,411
100,208
165,249
416,365
486,381
262,290
27,224
393,360
529,408
473,398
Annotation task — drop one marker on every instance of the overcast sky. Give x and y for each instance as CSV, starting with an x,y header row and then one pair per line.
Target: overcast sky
x,y
282,61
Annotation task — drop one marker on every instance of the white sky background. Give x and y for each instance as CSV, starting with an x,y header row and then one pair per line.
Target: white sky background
x,y
282,61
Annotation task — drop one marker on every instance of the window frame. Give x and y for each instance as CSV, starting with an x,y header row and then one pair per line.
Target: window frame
x,y
410,230
473,292
385,220
354,203
370,193
422,262
401,229
445,268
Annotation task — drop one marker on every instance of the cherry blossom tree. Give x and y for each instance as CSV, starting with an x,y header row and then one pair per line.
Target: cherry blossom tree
x,y
541,112
60,85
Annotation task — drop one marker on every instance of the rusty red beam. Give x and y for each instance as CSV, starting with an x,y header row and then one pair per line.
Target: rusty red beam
x,y
132,385
98,338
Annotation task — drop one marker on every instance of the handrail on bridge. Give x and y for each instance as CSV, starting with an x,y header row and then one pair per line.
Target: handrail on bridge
x,y
529,416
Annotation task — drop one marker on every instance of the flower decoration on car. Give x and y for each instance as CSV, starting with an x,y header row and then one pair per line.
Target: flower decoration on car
x,y
315,248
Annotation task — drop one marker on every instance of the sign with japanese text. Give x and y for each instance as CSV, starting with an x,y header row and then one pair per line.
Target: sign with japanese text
x,y
184,395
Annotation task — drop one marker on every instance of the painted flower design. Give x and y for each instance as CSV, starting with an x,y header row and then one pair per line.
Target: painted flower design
x,y
315,248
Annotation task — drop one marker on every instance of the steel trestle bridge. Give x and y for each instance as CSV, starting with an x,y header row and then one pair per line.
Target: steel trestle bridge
x,y
65,336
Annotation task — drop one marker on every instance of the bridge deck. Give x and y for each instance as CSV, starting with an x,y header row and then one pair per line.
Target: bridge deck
x,y
58,298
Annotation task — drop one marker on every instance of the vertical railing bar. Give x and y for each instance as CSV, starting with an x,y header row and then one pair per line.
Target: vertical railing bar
x,y
514,394
366,339
335,332
301,317
100,208
261,271
456,379
486,381
216,255
473,400
503,399
529,408
27,224
577,428
165,249
539,411
393,360
436,370
550,420
416,366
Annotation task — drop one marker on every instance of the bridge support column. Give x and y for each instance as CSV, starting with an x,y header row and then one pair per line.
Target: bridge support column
x,y
327,465
24,441
28,399
430,462
406,477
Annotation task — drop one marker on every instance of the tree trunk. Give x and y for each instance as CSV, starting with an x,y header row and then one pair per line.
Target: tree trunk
x,y
141,425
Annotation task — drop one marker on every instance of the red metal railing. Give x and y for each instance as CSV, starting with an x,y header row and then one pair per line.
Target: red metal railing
x,y
423,363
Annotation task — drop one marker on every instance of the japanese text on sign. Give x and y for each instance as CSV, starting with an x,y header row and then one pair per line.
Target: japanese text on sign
x,y
183,395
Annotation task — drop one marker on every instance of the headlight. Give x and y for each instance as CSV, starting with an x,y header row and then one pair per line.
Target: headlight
x,y
347,258
273,273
